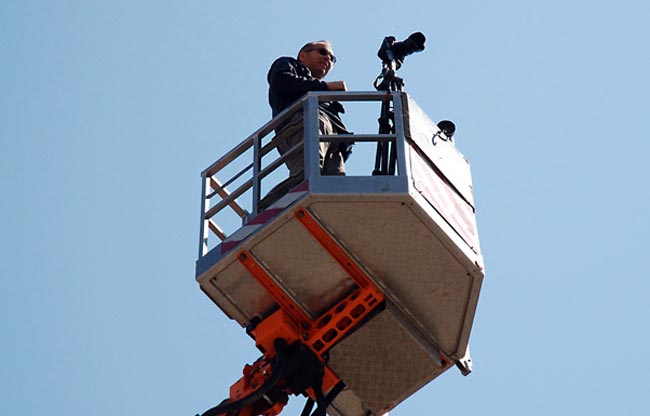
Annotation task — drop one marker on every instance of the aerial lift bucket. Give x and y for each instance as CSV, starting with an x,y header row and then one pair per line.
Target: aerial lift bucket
x,y
378,276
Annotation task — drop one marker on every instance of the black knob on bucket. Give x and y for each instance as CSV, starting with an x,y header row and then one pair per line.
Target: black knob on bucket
x,y
448,127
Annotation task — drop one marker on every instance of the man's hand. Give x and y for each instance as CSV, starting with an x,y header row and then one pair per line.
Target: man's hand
x,y
336,86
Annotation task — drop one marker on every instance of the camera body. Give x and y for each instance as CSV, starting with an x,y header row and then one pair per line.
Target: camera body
x,y
395,52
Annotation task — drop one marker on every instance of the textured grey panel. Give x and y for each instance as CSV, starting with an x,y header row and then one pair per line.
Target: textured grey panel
x,y
381,364
242,292
408,259
347,404
303,267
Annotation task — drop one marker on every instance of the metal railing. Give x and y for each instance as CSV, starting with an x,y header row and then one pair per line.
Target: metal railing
x,y
246,171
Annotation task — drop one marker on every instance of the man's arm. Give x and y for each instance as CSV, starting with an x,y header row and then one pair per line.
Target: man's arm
x,y
336,86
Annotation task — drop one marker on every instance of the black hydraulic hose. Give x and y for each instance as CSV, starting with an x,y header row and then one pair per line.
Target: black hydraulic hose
x,y
309,405
324,402
320,399
227,407
278,372
334,392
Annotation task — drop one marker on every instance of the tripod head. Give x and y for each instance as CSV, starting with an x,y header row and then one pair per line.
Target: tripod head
x,y
388,80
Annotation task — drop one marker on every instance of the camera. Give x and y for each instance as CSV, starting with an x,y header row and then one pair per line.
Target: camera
x,y
392,54
391,51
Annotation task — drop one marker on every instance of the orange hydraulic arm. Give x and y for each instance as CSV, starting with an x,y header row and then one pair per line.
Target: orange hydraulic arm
x,y
294,346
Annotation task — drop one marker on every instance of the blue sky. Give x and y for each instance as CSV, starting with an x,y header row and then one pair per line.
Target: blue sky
x,y
110,110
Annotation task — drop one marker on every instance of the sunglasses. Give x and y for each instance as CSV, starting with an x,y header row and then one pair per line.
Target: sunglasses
x,y
324,52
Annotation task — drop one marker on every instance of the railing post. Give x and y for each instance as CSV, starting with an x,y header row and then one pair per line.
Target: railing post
x,y
400,137
205,206
311,137
257,165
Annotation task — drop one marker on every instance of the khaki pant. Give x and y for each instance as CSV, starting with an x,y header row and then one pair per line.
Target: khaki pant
x,y
331,160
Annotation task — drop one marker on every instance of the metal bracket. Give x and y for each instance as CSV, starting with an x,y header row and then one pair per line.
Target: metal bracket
x,y
465,363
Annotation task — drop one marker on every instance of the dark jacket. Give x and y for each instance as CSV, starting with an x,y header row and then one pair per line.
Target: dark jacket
x,y
289,80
